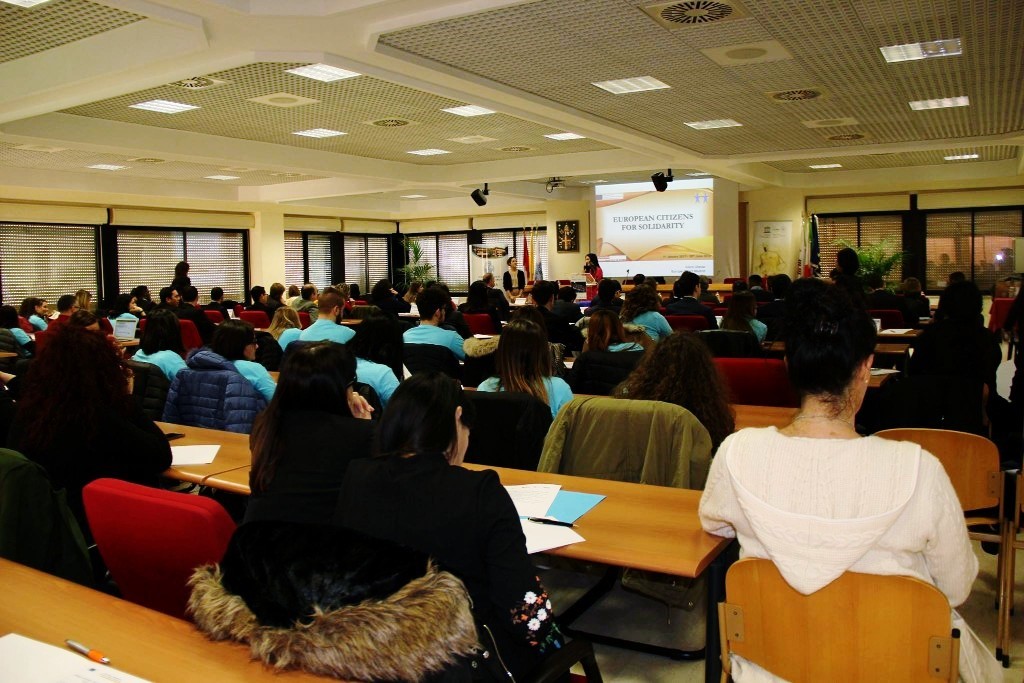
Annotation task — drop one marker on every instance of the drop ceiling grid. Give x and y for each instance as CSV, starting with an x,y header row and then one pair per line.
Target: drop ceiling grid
x,y
903,159
76,161
30,30
347,106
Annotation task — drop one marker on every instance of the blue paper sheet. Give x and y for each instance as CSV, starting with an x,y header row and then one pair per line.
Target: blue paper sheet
x,y
569,506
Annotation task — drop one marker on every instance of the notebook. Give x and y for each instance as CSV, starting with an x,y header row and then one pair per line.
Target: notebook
x,y
125,329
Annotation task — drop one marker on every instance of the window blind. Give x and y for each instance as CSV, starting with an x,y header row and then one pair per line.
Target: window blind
x,y
994,232
367,260
832,229
294,264
216,259
378,259
947,246
46,261
453,261
318,259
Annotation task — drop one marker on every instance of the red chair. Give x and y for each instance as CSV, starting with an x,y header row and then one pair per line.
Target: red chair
x,y
730,280
998,312
758,382
190,338
25,325
215,317
889,318
720,310
42,339
304,319
479,323
152,540
258,319
238,310
105,326
694,323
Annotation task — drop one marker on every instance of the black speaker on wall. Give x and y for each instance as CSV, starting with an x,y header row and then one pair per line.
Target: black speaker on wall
x,y
480,197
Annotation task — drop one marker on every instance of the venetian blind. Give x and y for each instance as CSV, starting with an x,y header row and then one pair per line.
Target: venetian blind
x,y
216,259
378,259
367,261
294,263
428,254
453,261
947,246
832,229
148,257
318,258
46,261
994,232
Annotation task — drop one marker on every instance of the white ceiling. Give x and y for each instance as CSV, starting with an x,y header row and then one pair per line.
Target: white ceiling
x,y
71,68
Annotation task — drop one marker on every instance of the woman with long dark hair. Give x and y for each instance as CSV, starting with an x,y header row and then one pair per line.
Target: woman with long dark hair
x,y
415,494
819,500
235,341
739,317
378,347
384,297
590,265
181,279
479,303
605,333
523,364
161,343
125,308
513,281
33,309
304,440
77,419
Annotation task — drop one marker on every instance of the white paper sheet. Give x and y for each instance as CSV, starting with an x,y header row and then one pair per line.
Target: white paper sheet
x,y
483,336
896,330
193,455
23,660
541,537
533,500
883,371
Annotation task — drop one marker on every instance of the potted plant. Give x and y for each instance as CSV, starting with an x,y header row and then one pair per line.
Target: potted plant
x,y
414,270
878,258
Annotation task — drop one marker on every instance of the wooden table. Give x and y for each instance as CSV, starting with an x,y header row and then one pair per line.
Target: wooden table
x,y
909,336
138,640
762,416
8,354
881,348
234,451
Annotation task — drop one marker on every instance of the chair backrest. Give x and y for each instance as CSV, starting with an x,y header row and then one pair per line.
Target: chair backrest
x,y
860,627
105,325
151,540
190,338
42,339
509,429
970,461
25,325
889,318
933,401
687,322
215,317
596,436
758,382
238,309
304,319
149,388
258,319
730,280
731,343
479,323
599,372
428,357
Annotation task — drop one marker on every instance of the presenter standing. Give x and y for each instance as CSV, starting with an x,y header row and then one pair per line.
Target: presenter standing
x,y
514,280
591,266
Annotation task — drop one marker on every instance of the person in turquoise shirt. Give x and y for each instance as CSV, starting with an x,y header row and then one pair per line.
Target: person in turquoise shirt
x,y
326,327
34,310
288,336
642,309
125,308
235,340
161,343
605,333
378,349
431,303
380,377
523,364
740,316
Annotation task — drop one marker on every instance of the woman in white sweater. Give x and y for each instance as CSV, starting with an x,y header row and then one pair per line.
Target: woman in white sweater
x,y
819,500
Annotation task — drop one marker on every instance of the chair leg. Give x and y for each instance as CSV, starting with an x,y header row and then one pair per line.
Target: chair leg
x,y
1007,570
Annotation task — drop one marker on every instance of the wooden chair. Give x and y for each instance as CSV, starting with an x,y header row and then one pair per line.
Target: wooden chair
x,y
860,627
972,464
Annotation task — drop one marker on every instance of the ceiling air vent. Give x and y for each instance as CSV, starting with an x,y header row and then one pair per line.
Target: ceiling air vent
x,y
390,123
798,95
148,160
675,15
199,83
846,137
516,148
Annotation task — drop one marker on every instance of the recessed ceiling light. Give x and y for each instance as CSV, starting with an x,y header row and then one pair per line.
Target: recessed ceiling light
x,y
163,106
699,174
414,196
221,177
566,136
592,182
319,133
473,139
960,157
941,103
24,3
826,166
322,72
106,167
714,123
469,110
428,152
623,86
914,51
40,148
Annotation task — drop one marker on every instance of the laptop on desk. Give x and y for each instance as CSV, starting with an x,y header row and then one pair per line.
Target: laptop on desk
x,y
125,329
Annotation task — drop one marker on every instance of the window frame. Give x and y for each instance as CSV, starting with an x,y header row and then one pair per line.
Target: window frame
x,y
98,284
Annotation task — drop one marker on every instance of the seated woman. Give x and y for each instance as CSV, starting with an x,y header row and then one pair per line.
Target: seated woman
x,y
235,341
523,363
77,419
285,318
917,302
739,316
384,297
411,292
84,319
820,500
378,348
161,343
605,333
303,442
9,321
125,308
478,302
415,494
680,370
33,309
642,309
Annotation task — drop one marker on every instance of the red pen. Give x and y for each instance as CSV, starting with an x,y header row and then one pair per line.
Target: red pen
x,y
94,655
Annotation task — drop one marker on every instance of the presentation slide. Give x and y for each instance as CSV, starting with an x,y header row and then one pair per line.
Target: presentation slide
x,y
655,233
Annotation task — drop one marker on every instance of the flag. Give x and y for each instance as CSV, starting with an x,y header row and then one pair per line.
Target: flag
x,y
538,267
526,257
810,253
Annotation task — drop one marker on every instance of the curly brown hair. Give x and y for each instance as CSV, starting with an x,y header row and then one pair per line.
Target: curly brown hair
x,y
680,370
640,299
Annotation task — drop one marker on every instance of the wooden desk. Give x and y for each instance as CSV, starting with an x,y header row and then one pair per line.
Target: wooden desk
x,y
762,416
907,337
138,640
8,354
881,348
123,343
234,451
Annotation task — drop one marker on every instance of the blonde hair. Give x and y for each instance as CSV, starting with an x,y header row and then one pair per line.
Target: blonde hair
x,y
523,359
285,318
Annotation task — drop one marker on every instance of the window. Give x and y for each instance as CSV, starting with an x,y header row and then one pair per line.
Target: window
x,y
294,261
307,258
536,241
428,255
367,260
947,245
46,261
977,243
216,258
448,253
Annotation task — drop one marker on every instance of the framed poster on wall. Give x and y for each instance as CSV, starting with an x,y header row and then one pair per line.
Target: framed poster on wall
x,y
567,235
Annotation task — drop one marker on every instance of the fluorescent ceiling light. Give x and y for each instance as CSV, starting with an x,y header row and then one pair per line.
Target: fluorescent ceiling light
x,y
914,51
960,157
322,72
566,136
826,166
319,133
623,86
715,123
699,174
469,110
593,182
414,196
428,152
107,167
24,3
163,106
221,177
941,103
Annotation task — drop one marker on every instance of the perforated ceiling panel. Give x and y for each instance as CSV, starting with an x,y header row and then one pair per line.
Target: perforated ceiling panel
x,y
78,160
870,161
349,106
616,178
555,49
29,30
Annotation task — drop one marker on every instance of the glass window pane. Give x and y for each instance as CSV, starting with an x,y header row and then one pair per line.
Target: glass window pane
x,y
378,260
832,229
216,259
294,266
947,246
319,252
148,257
46,261
453,269
994,232
355,263
428,255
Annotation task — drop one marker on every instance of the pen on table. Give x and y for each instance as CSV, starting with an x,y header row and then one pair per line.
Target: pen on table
x,y
554,522
94,655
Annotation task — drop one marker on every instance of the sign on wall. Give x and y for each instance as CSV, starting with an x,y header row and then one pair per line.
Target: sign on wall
x,y
772,250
